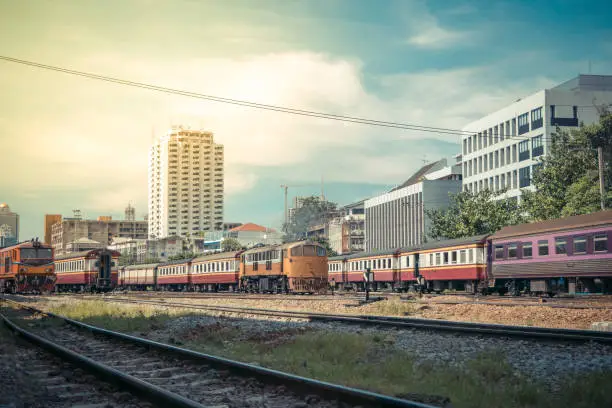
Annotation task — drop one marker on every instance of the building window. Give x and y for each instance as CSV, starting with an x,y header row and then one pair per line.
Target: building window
x,y
490,136
465,146
499,252
601,242
514,153
502,157
470,145
503,181
486,164
537,146
543,247
496,134
527,252
536,118
523,123
560,246
496,158
484,137
479,141
501,132
512,251
524,150
513,126
496,183
580,245
524,179
514,179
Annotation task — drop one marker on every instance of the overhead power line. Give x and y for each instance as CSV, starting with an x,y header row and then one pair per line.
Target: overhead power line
x,y
293,111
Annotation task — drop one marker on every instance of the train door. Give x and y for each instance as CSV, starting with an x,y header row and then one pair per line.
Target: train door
x,y
345,266
104,271
416,272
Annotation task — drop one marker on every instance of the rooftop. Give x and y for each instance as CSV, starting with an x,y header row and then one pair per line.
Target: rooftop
x,y
249,226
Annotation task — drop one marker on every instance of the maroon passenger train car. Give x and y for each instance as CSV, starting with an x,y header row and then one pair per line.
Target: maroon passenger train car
x,y
565,255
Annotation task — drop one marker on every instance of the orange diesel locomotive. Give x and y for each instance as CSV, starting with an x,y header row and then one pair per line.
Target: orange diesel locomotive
x,y
27,268
297,267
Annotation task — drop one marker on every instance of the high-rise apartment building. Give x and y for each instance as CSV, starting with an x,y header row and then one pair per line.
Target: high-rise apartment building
x,y
185,184
505,146
50,221
9,226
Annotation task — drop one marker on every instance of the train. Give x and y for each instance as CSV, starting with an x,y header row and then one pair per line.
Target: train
x,y
95,270
566,255
297,267
27,267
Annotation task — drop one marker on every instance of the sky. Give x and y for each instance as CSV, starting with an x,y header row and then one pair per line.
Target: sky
x,y
74,143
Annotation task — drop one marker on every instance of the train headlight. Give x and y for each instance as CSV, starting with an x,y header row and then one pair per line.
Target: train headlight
x,y
48,270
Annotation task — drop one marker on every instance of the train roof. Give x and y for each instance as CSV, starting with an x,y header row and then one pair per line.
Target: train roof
x,y
141,266
559,224
176,262
369,254
447,243
218,255
280,246
85,254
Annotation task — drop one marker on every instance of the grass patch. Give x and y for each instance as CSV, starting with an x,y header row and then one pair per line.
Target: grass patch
x,y
363,361
392,307
125,318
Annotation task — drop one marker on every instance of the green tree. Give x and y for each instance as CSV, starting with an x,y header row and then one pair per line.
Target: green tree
x,y
230,245
312,212
473,214
328,248
182,255
567,181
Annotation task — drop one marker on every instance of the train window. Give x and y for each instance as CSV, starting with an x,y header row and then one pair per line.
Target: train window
x,y
227,267
431,260
462,256
543,247
499,252
438,258
601,242
389,263
560,246
309,250
470,255
445,256
296,251
321,251
512,251
527,252
580,245
454,257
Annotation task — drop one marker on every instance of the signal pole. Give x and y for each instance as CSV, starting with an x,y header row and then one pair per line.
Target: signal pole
x,y
602,187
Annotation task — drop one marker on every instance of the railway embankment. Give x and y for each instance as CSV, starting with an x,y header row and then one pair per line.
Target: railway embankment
x,y
468,370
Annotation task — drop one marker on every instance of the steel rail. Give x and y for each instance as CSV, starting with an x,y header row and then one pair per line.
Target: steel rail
x,y
542,333
306,385
151,392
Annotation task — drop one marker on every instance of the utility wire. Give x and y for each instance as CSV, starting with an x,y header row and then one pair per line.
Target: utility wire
x,y
301,112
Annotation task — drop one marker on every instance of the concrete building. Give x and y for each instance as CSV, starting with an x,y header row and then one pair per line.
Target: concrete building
x,y
72,229
397,218
185,184
229,225
9,225
505,146
347,233
84,244
50,220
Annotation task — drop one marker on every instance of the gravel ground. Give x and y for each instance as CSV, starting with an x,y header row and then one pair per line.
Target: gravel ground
x,y
547,362
430,308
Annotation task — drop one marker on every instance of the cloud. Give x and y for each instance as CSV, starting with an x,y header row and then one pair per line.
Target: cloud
x,y
437,37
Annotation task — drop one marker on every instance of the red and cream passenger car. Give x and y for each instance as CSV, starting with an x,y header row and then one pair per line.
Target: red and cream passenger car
x,y
94,270
216,272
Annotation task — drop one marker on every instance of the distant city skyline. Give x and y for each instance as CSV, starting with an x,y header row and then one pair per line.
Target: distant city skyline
x,y
79,143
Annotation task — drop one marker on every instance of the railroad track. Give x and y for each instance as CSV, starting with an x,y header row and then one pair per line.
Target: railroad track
x,y
541,333
174,377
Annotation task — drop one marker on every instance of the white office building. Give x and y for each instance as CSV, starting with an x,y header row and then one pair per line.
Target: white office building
x,y
185,184
398,218
505,145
